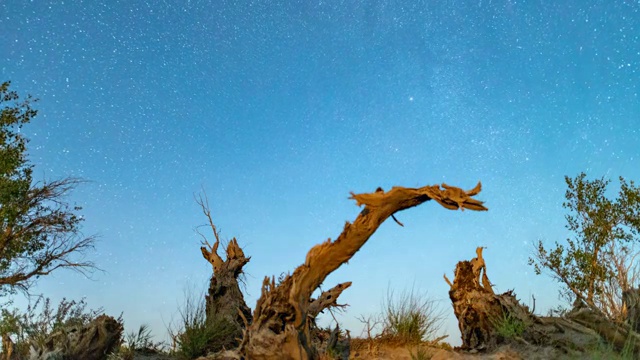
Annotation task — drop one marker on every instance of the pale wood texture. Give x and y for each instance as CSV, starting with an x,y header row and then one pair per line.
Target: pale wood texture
x,y
281,326
482,316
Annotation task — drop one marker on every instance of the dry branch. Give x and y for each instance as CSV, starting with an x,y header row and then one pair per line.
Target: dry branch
x,y
481,312
43,235
327,299
280,329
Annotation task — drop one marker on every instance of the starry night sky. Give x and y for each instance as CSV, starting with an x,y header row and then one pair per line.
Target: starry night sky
x,y
279,109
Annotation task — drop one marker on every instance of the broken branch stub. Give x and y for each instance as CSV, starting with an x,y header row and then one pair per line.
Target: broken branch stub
x,y
211,255
327,299
280,329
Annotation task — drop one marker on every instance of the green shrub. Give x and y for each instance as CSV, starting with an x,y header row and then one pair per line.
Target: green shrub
x,y
137,342
508,326
410,317
40,320
197,336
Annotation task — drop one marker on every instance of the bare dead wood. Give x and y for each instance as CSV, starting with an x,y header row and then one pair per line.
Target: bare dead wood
x,y
7,347
446,279
224,299
280,328
475,304
481,312
327,299
631,301
89,342
369,323
209,252
379,189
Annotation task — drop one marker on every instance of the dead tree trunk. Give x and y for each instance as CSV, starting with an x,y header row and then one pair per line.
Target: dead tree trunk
x,y
7,347
484,318
478,309
281,321
93,341
224,301
224,297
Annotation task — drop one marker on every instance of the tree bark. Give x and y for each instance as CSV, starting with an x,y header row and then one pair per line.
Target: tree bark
x,y
475,305
7,347
93,341
281,326
481,314
631,301
224,300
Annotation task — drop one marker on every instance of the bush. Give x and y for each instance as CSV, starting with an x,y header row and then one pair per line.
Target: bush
x,y
136,343
40,320
410,317
509,327
197,335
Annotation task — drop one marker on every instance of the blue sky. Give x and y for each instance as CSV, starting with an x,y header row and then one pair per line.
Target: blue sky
x,y
279,109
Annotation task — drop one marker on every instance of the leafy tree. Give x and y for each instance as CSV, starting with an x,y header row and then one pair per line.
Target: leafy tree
x,y
39,230
598,263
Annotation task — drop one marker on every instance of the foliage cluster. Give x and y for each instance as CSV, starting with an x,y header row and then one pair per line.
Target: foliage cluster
x,y
39,230
600,261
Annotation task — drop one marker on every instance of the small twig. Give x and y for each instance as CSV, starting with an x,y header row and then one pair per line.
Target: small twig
x,y
396,220
438,339
447,280
380,190
333,315
206,210
534,304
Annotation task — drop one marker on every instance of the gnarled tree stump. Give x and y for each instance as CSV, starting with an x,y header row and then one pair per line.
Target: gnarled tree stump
x,y
224,300
482,315
281,323
478,308
93,341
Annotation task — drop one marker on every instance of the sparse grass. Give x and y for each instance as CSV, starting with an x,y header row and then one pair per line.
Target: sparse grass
x,y
198,336
508,326
420,354
411,317
607,352
137,342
